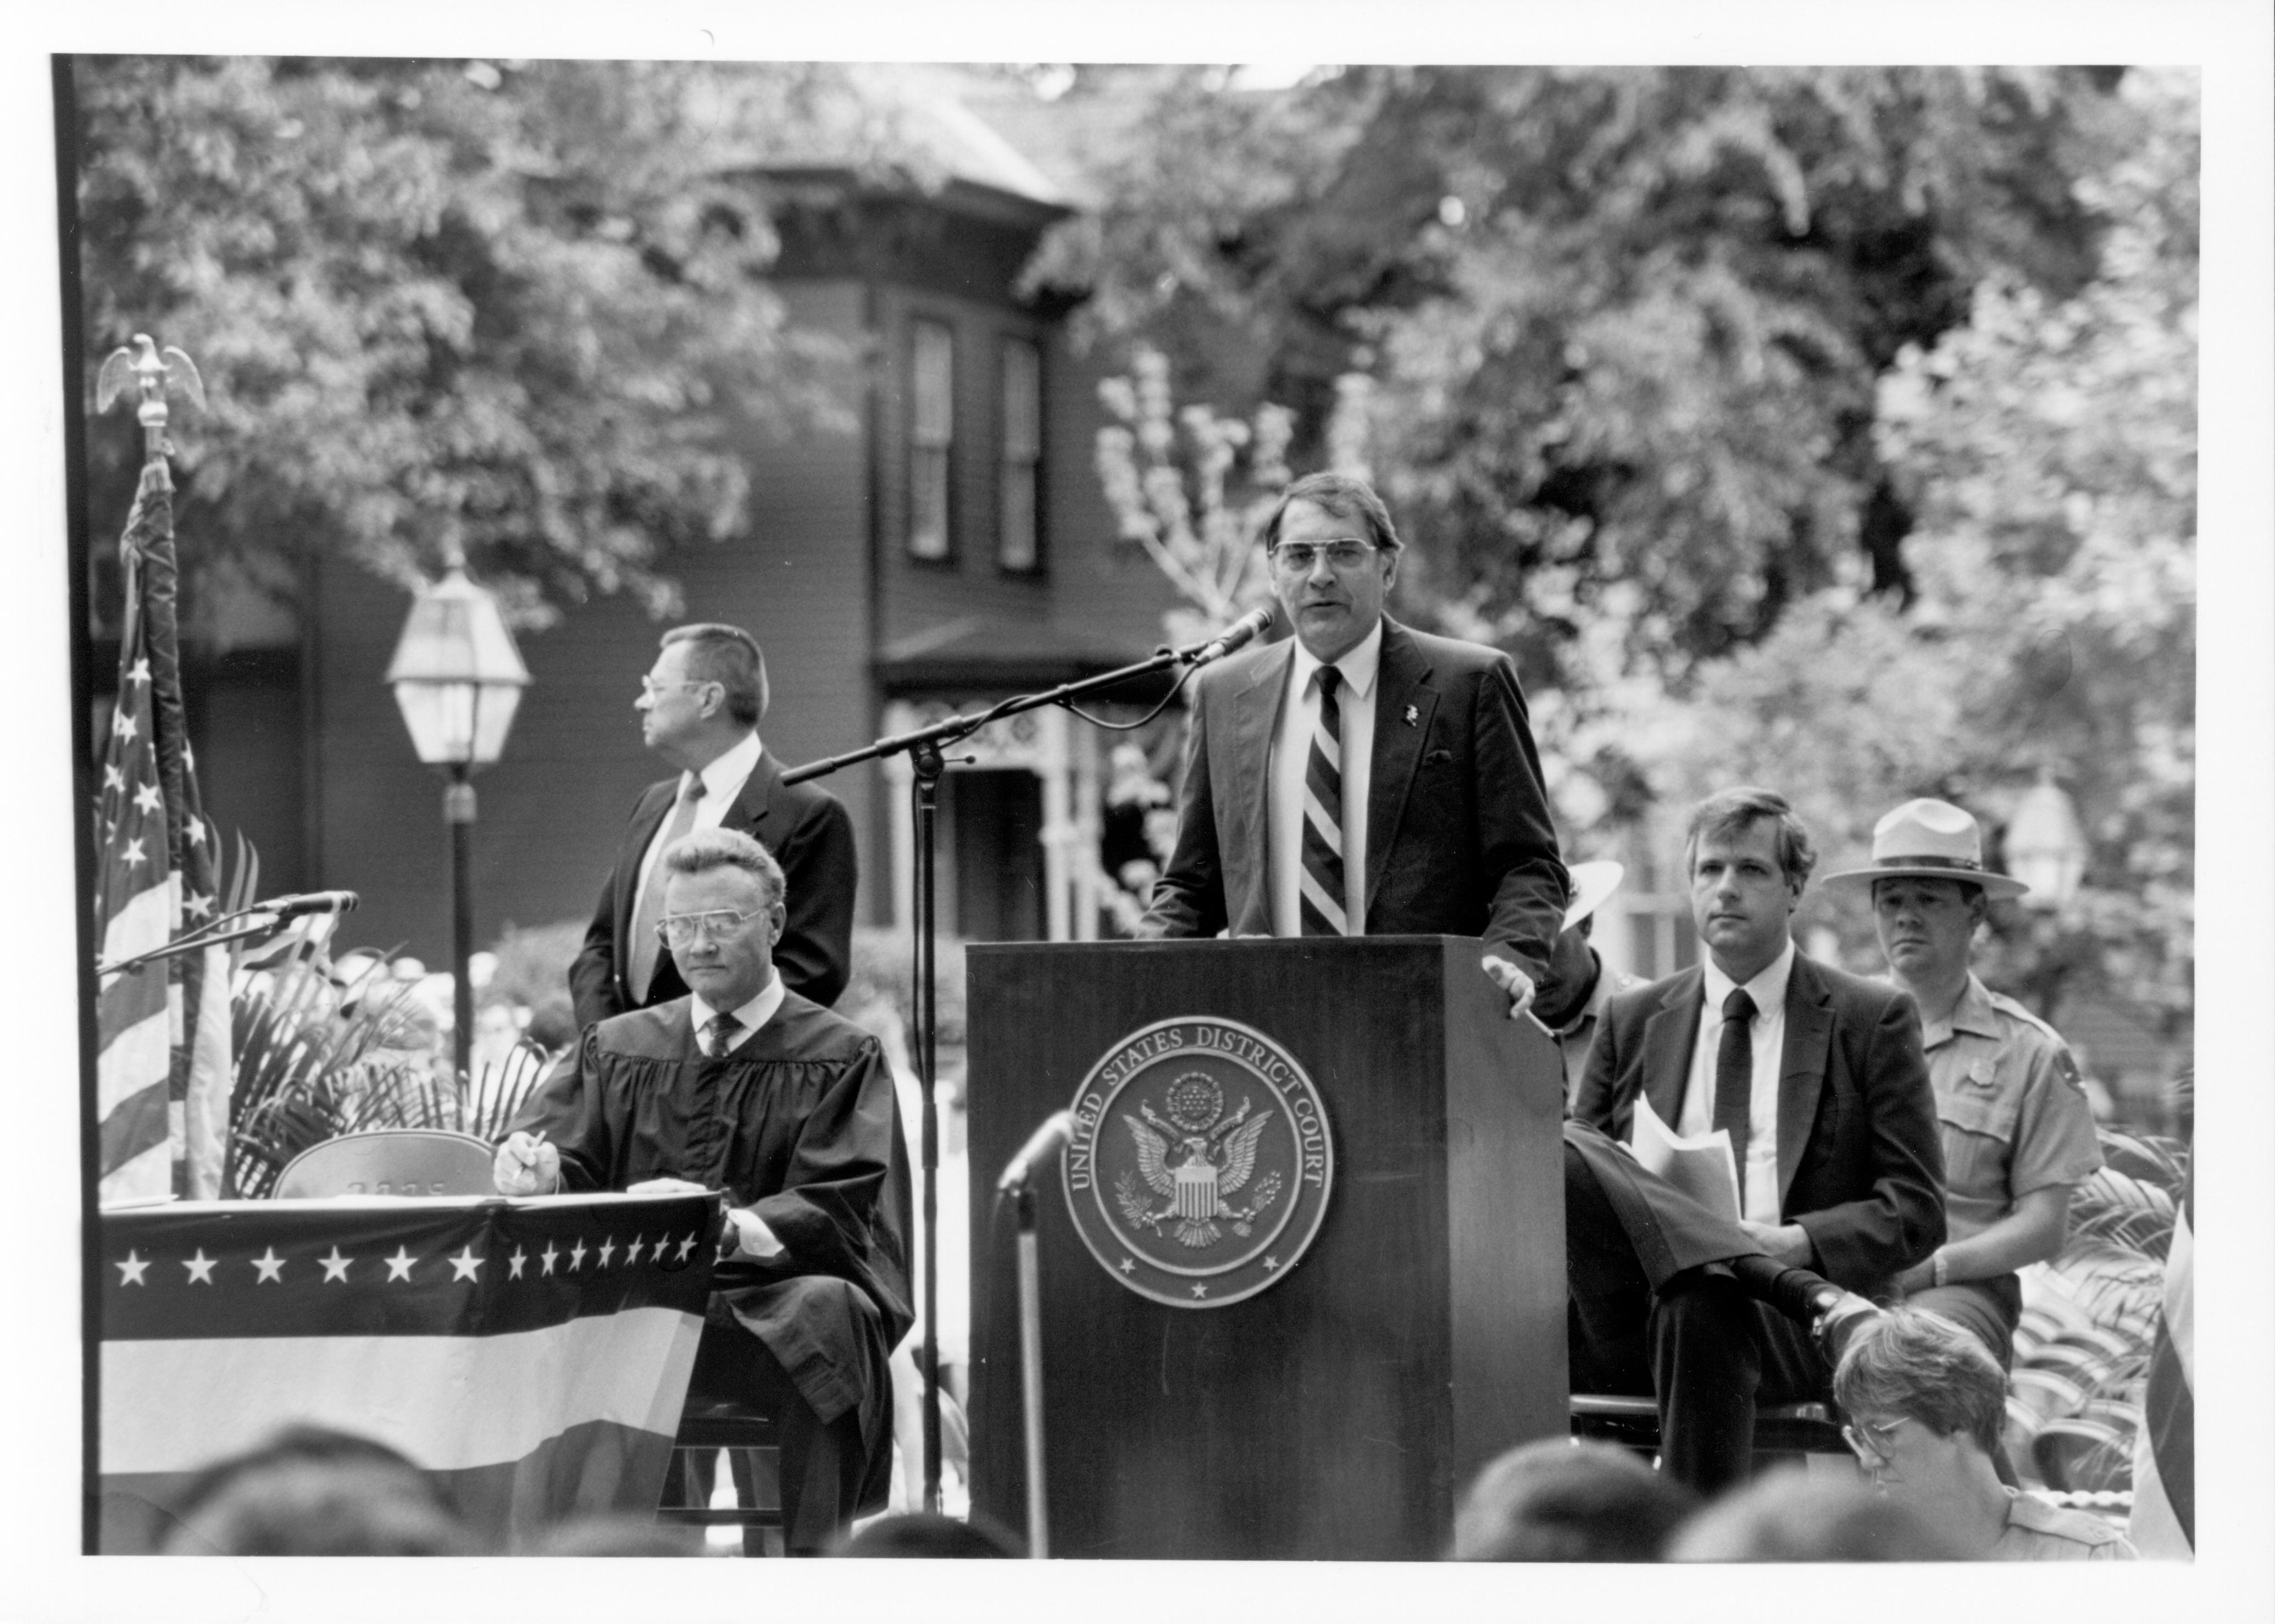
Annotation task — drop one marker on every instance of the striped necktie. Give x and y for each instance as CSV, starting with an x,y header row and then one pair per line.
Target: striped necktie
x,y
719,1034
1320,885
650,913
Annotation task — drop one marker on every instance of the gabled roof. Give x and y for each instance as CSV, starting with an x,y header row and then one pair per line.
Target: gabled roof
x,y
921,120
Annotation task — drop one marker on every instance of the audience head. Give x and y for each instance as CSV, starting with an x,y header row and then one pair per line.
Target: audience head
x,y
928,1534
311,1490
1567,1500
618,1534
1790,1516
1925,1402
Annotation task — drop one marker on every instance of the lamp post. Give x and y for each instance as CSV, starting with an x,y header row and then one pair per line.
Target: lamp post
x,y
2045,846
458,679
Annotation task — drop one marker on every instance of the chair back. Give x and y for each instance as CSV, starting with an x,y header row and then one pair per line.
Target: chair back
x,y
394,1161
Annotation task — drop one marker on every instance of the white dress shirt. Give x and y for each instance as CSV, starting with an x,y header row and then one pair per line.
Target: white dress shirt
x,y
754,1239
1760,1176
754,1014
1291,750
722,781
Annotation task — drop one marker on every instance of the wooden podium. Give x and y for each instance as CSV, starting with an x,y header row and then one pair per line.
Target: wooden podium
x,y
1340,1409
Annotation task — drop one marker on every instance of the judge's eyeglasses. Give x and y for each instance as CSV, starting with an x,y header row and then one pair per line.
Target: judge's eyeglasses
x,y
678,930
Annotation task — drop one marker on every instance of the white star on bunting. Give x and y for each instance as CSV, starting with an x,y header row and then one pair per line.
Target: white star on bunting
x,y
147,798
686,1246
1270,1262
271,1266
123,724
1200,1291
1128,1266
607,1246
462,1265
112,778
577,1254
130,1270
199,905
201,1268
549,1255
139,672
134,852
515,1262
336,1268
398,1267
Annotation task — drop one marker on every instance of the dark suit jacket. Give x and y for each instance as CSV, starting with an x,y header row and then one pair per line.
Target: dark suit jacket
x,y
1459,839
1860,1160
811,835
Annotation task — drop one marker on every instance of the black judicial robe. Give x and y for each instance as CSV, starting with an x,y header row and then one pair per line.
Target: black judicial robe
x,y
799,1125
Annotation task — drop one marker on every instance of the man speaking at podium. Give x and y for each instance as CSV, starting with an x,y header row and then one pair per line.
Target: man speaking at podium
x,y
1360,778
743,1086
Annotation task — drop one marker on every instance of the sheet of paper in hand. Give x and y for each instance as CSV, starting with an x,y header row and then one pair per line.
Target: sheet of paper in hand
x,y
1701,1167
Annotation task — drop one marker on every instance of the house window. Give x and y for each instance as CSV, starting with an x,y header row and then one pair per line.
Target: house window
x,y
931,432
1019,473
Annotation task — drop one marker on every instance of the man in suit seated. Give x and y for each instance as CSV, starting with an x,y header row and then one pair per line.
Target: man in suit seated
x,y
743,1086
700,707
1819,1078
1360,779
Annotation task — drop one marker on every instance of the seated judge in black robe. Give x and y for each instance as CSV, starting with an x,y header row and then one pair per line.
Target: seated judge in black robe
x,y
746,1087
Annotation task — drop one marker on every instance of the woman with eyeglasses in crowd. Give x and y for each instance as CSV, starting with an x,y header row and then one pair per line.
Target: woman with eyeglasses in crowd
x,y
1925,1405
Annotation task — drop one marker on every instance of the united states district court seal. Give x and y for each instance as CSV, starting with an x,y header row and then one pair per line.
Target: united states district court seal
x,y
1201,1162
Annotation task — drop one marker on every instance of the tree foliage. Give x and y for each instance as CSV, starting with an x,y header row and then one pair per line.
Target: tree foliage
x,y
2048,446
1832,428
505,309
1625,324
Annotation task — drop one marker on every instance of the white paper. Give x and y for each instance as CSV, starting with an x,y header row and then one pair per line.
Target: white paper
x,y
1702,1166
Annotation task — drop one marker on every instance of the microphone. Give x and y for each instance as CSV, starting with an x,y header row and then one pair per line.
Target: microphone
x,y
1057,1129
1237,636
307,902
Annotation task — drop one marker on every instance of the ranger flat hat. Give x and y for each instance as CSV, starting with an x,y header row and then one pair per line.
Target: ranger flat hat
x,y
1592,885
1930,840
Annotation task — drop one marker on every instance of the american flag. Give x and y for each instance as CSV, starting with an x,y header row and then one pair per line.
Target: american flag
x,y
163,1070
2164,1521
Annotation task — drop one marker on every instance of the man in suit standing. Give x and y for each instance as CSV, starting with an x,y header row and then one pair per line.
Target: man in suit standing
x,y
700,707
1360,778
1819,1079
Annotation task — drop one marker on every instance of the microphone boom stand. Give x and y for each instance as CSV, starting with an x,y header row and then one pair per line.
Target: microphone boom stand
x,y
923,748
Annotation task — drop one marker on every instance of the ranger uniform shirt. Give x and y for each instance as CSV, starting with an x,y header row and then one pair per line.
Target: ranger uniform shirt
x,y
2038,1532
2014,1116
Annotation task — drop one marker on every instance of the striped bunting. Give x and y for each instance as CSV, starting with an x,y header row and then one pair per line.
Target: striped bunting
x,y
532,1356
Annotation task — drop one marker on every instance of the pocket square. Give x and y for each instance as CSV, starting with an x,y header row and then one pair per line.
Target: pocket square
x,y
1438,757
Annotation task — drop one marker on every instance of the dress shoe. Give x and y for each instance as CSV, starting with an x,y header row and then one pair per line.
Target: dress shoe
x,y
1837,1314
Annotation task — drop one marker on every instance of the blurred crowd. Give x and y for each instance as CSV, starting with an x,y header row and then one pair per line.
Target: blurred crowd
x,y
1924,1403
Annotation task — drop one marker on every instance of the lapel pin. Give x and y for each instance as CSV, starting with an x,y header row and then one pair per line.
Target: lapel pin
x,y
1413,715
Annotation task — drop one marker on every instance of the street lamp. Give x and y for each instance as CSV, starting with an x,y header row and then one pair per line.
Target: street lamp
x,y
458,679
2045,844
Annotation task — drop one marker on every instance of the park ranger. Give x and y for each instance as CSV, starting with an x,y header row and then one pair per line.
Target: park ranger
x,y
2018,1135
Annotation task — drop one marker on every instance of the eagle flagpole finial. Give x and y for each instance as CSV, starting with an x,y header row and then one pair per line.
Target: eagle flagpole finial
x,y
151,370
